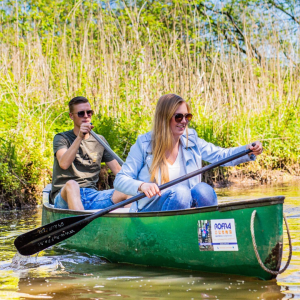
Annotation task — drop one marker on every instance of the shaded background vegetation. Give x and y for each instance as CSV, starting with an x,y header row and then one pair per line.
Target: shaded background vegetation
x,y
236,62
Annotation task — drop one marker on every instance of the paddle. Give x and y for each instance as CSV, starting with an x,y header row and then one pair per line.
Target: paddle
x,y
43,237
107,148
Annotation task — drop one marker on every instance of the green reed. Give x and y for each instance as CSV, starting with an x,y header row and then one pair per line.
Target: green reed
x,y
123,58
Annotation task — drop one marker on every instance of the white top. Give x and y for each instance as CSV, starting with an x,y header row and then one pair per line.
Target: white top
x,y
178,168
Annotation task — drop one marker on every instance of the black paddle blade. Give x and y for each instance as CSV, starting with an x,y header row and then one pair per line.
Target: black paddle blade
x,y
43,237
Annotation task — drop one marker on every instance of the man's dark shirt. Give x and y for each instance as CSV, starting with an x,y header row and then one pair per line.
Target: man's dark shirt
x,y
86,166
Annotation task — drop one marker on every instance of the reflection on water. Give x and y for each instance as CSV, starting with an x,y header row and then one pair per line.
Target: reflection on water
x,y
62,274
289,281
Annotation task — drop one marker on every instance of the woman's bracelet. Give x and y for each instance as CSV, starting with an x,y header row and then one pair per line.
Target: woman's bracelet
x,y
139,189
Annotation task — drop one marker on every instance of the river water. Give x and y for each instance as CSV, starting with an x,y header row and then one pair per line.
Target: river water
x,y
60,274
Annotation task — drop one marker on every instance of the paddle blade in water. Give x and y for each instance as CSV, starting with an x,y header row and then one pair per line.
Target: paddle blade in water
x,y
43,237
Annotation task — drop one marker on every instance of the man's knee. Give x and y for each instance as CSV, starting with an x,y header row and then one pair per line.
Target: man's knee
x,y
70,188
71,185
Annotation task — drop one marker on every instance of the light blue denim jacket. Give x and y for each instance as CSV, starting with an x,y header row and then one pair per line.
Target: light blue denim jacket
x,y
135,170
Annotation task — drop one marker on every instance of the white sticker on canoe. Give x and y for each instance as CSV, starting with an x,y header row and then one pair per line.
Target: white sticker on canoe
x,y
217,235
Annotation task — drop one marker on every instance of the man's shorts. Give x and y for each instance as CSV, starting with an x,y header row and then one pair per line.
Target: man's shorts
x,y
90,198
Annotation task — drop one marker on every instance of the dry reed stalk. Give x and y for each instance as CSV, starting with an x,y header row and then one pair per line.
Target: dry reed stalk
x,y
127,70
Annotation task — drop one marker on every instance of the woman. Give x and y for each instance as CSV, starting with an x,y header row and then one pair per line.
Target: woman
x,y
172,150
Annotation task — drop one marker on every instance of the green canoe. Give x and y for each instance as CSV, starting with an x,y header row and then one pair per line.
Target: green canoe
x,y
211,239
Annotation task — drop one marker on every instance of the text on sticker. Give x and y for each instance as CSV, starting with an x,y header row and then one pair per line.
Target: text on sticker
x,y
222,226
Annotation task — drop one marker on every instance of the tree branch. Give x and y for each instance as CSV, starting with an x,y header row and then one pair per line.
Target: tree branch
x,y
284,11
238,31
243,36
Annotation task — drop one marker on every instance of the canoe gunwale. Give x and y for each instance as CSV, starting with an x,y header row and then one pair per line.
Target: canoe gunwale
x,y
222,207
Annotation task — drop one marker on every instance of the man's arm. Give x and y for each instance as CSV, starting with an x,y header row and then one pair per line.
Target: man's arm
x,y
65,156
114,166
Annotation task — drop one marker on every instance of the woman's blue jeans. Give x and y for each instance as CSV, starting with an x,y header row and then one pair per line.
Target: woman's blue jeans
x,y
181,197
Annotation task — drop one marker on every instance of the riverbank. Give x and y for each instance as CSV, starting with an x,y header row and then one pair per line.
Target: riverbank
x,y
239,178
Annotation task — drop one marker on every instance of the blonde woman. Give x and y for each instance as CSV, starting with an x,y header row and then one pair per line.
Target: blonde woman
x,y
172,150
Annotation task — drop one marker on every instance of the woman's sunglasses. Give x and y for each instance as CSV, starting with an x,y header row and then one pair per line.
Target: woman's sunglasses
x,y
81,113
179,117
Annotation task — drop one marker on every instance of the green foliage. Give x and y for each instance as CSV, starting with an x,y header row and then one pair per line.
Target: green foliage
x,y
121,133
22,167
123,55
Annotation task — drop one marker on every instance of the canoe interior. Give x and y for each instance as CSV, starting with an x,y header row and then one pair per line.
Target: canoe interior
x,y
170,239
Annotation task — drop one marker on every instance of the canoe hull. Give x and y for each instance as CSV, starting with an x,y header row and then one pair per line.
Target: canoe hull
x,y
171,239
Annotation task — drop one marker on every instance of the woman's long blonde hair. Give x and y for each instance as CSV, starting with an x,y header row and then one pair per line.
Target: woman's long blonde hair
x,y
162,137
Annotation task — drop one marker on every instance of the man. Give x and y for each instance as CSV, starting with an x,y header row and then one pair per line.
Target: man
x,y
77,163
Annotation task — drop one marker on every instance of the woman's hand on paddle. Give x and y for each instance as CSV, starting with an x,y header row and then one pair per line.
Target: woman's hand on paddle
x,y
150,189
257,149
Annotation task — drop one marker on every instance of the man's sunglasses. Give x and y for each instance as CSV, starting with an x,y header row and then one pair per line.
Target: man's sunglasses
x,y
179,117
81,113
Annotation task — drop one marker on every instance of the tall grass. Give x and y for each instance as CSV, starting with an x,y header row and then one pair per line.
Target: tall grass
x,y
123,61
